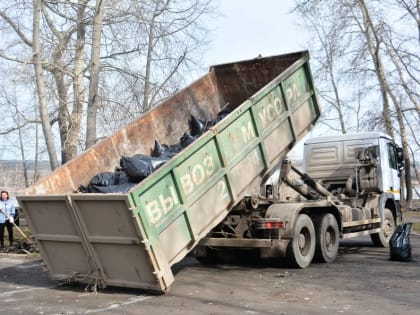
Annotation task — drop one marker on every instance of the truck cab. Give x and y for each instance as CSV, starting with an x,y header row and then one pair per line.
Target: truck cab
x,y
332,160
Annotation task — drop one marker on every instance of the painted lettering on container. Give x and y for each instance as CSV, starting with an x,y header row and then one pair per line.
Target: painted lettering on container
x,y
270,112
157,208
293,93
222,190
248,132
198,175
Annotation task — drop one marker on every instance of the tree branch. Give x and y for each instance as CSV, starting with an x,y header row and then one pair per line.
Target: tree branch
x,y
16,29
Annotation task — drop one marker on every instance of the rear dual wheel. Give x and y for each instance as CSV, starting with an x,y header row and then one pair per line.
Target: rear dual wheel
x,y
318,240
327,238
301,248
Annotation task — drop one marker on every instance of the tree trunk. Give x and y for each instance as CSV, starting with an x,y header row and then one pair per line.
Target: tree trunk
x,y
78,87
379,70
418,17
393,54
405,147
95,69
338,105
62,107
36,154
149,58
22,152
386,91
43,108
146,93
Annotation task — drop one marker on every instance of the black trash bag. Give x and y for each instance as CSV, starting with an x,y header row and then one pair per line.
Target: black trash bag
x,y
139,166
121,177
197,126
163,150
83,189
120,188
399,243
186,140
104,179
176,148
159,149
108,182
222,114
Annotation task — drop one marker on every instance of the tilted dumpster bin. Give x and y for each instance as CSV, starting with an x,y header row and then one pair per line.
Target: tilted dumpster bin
x,y
132,239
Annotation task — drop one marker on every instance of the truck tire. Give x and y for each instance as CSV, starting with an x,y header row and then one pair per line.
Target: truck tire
x,y
301,248
327,238
382,238
204,255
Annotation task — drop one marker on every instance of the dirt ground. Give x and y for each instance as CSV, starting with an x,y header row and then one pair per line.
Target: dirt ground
x,y
361,281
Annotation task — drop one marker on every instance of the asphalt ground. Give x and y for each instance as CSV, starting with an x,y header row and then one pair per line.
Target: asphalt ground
x,y
362,280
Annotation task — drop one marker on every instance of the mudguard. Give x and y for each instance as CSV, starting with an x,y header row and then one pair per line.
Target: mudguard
x,y
287,212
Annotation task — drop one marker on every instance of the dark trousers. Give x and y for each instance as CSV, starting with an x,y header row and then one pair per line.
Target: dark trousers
x,y
9,227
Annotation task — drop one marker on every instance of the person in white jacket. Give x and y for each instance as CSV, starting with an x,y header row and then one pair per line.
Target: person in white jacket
x,y
7,213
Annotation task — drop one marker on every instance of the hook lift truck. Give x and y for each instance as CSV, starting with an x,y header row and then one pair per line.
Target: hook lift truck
x,y
353,189
211,197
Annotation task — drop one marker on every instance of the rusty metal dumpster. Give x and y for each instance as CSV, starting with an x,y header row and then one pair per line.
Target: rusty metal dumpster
x,y
133,239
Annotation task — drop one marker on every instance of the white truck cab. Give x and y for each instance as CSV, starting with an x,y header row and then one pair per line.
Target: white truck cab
x,y
332,159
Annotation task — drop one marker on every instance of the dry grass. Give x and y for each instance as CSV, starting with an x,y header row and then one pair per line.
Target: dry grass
x,y
18,236
413,217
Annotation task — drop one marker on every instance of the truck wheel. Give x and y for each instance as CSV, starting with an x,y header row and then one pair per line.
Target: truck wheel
x,y
382,238
301,248
207,255
327,237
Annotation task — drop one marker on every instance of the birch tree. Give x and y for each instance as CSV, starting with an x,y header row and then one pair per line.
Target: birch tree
x,y
380,51
92,108
98,56
39,79
327,51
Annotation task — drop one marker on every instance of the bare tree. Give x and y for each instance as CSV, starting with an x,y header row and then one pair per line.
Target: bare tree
x,y
327,54
42,98
165,36
18,122
95,68
375,44
412,7
93,56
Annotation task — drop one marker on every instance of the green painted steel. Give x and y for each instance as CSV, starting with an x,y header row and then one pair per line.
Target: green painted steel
x,y
218,169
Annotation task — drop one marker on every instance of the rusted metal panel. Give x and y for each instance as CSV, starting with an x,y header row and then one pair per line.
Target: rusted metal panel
x,y
133,239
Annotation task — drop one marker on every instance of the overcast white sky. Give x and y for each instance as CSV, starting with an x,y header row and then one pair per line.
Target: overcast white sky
x,y
248,28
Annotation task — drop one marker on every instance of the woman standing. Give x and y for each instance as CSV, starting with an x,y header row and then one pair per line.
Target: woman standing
x,y
7,213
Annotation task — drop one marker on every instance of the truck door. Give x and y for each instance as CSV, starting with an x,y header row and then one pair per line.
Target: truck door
x,y
391,172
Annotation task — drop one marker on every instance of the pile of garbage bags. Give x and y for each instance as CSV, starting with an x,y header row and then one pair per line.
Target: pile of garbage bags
x,y
133,169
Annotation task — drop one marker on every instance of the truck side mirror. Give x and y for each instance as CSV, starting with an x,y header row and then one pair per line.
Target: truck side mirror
x,y
400,155
400,158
